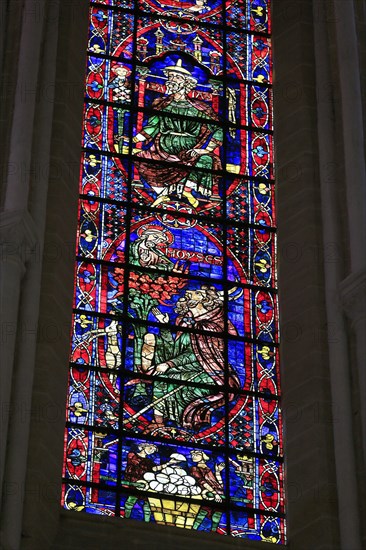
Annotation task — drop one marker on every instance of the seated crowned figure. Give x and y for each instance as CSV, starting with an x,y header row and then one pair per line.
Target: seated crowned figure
x,y
182,131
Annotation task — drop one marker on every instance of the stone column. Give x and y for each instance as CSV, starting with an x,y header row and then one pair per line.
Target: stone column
x,y
353,134
340,377
17,240
56,144
27,330
353,287
306,387
353,297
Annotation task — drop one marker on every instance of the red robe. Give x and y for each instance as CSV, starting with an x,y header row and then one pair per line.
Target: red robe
x,y
209,351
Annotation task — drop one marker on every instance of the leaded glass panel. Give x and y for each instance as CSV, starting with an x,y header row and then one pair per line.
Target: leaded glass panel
x,y
173,408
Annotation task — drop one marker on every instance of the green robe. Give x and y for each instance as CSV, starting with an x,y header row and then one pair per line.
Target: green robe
x,y
178,134
172,139
179,354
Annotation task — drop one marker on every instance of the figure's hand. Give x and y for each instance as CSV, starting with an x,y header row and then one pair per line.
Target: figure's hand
x,y
173,461
163,367
161,317
197,152
217,497
219,467
179,267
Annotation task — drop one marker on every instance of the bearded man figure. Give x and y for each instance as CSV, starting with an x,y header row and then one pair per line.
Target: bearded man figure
x,y
145,249
188,140
197,357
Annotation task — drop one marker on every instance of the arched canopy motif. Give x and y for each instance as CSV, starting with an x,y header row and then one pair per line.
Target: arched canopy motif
x,y
173,410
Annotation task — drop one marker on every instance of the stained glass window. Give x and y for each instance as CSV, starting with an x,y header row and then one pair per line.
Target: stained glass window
x,y
173,412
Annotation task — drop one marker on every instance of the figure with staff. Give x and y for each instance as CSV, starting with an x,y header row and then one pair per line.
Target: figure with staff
x,y
191,356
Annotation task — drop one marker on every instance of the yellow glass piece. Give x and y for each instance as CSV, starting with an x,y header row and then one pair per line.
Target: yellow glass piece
x,y
189,523
169,504
233,168
169,512
180,522
182,506
169,519
195,508
126,150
